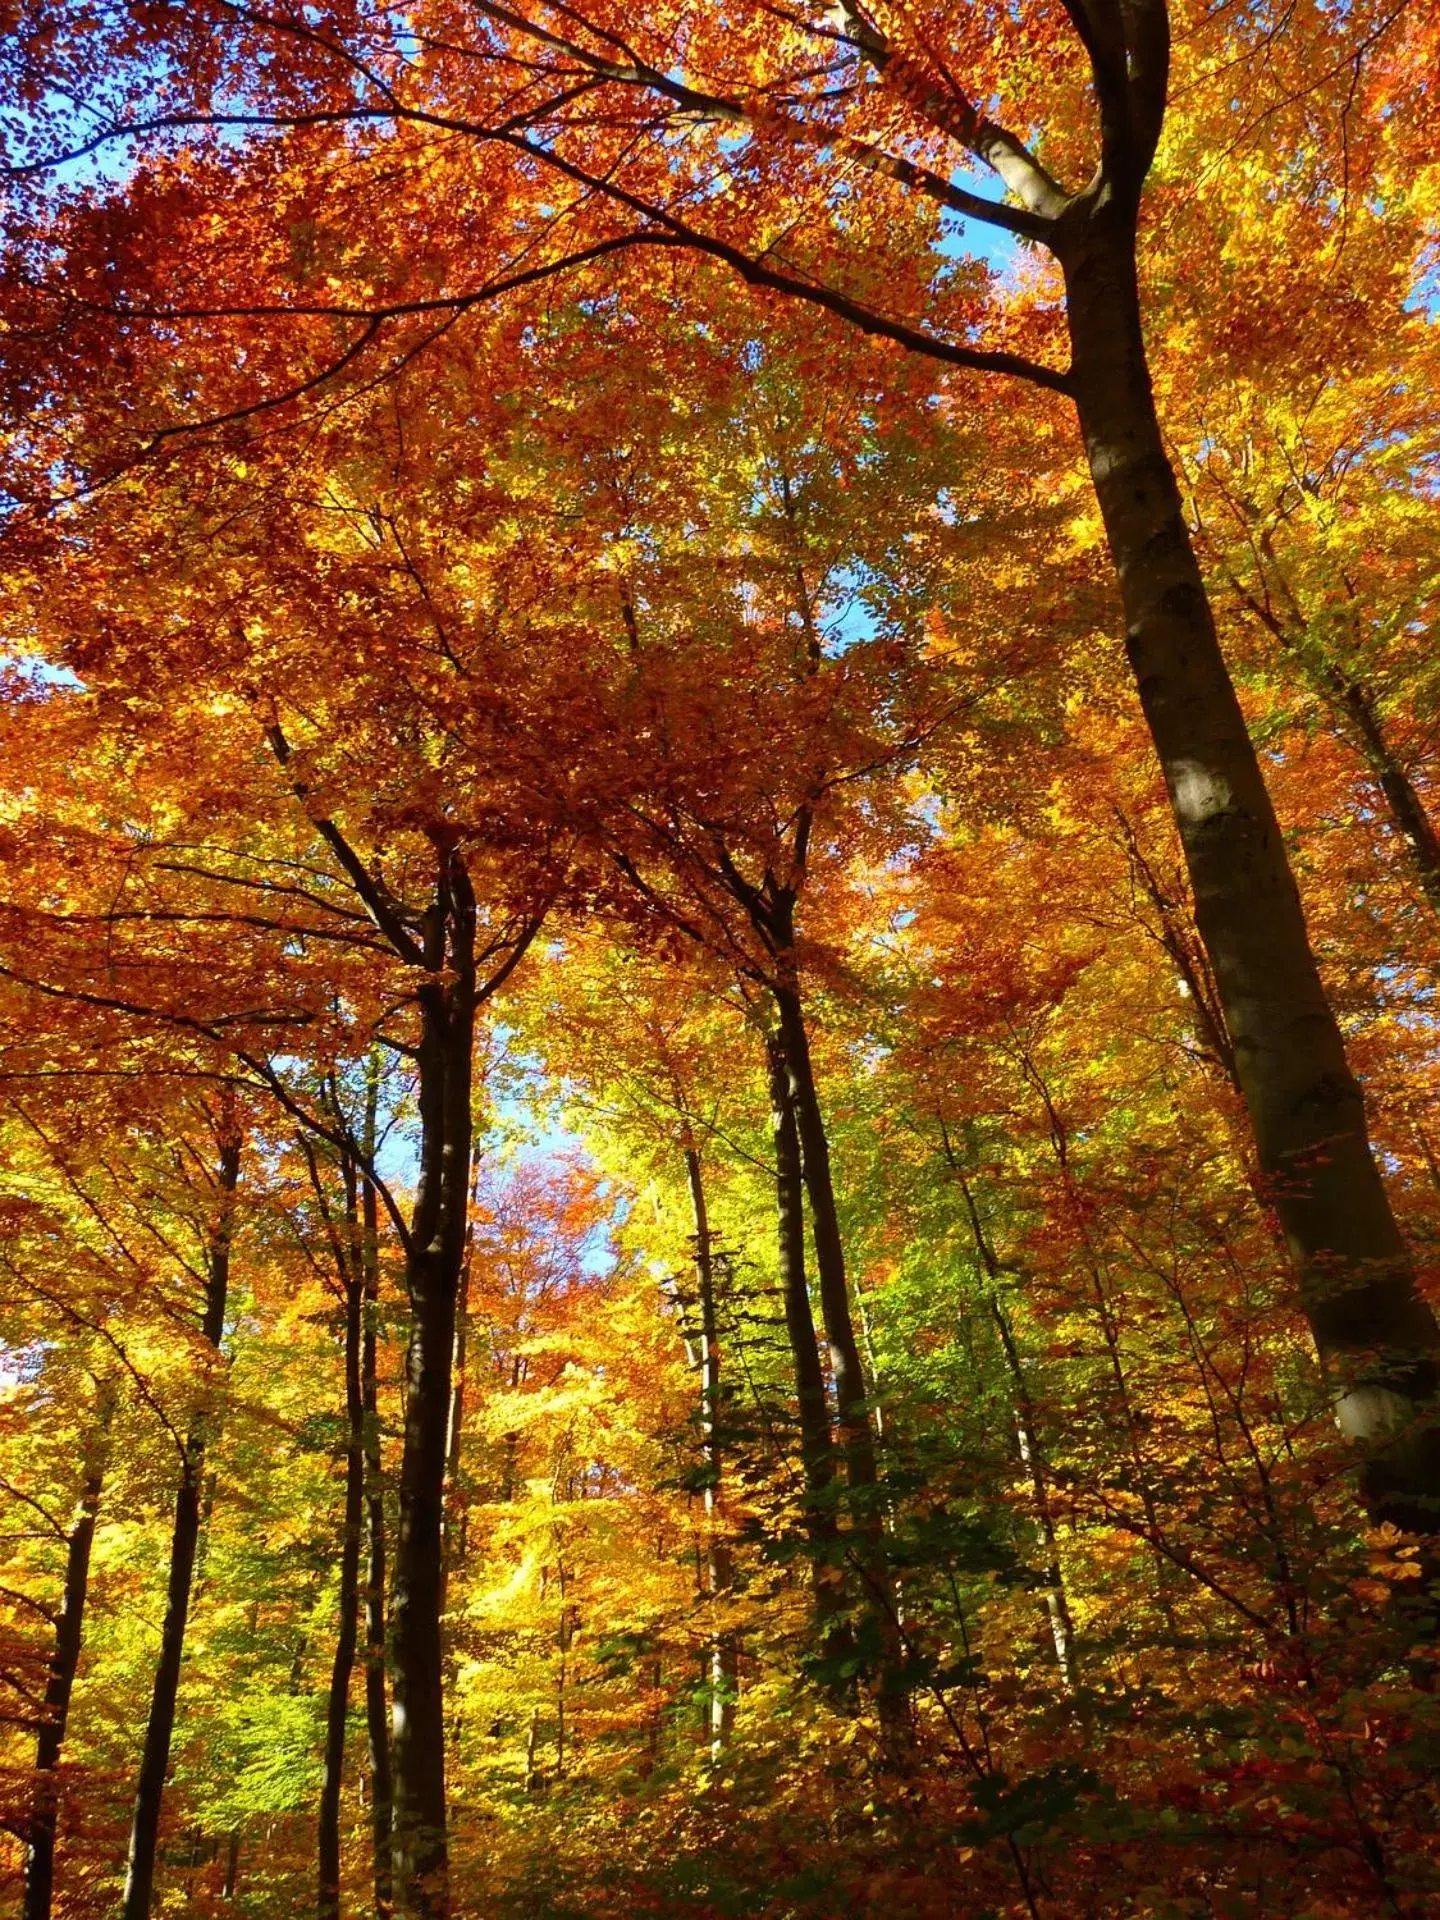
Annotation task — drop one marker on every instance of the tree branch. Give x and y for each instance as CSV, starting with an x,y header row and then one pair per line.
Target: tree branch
x,y
376,898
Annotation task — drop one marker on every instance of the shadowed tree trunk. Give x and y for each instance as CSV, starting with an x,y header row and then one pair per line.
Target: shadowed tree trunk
x,y
64,1663
433,1261
439,944
184,1537
816,1447
857,1439
449,998
1376,1336
847,1377
328,1901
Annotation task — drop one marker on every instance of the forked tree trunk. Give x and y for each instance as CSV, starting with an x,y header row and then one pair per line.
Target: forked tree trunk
x,y
1376,1337
64,1664
442,964
719,1569
184,1537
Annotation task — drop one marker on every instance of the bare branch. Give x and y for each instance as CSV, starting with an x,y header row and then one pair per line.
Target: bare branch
x,y
378,903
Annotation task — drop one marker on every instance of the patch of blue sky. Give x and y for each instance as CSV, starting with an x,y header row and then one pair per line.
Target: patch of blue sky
x,y
965,239
846,616
962,238
37,672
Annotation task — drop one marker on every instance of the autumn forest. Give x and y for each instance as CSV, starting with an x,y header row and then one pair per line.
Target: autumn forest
x,y
720,959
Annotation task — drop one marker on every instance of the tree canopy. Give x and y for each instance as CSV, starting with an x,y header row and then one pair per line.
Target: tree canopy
x,y
719,896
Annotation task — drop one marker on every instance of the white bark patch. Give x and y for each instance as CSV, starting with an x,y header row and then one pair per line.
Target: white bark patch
x,y
1199,793
1371,1413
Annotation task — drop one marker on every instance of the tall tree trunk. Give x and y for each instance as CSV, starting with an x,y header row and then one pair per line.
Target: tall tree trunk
x,y
327,1904
417,1717
377,1712
816,1448
1376,1337
846,1373
857,1437
719,1569
184,1537
435,1255
64,1663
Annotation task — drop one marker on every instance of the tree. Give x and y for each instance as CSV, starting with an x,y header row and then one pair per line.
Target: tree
x,y
452,953
64,1663
784,108
185,1535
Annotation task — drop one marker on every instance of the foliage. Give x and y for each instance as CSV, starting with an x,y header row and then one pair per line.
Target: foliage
x,y
551,450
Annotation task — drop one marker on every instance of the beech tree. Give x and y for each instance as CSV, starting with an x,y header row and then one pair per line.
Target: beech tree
x,y
560,670
631,125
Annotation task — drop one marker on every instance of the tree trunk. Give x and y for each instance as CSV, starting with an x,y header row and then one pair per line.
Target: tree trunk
x,y
879,1618
377,1714
1376,1337
816,1449
456,1495
435,1256
64,1662
719,1569
418,1720
327,1904
184,1537
846,1373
